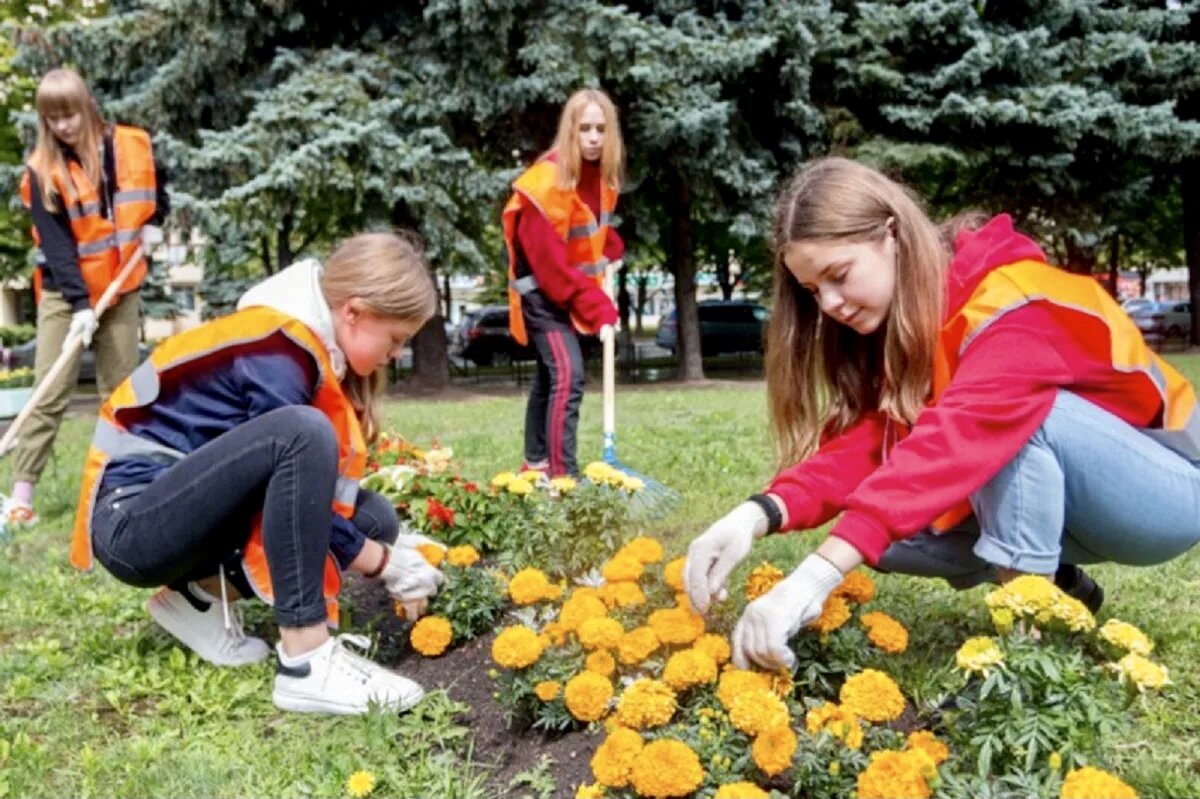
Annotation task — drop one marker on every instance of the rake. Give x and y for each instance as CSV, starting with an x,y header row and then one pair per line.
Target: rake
x,y
655,500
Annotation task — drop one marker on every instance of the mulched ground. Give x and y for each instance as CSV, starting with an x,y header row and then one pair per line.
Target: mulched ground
x,y
462,672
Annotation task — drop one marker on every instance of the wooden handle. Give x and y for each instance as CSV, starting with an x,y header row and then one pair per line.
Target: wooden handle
x,y
70,347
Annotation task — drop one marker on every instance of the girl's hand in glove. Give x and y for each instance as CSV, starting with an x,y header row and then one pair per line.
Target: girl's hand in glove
x,y
762,634
718,551
409,578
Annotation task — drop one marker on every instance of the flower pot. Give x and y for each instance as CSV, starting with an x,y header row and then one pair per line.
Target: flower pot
x,y
13,399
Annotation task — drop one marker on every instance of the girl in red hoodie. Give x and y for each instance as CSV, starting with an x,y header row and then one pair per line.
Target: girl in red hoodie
x,y
558,230
971,412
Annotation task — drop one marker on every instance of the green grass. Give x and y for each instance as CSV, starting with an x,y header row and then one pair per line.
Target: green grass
x,y
95,701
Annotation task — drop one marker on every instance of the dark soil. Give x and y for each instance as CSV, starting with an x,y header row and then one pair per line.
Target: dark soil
x,y
462,672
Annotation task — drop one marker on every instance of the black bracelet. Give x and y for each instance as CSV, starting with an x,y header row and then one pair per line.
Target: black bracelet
x,y
774,515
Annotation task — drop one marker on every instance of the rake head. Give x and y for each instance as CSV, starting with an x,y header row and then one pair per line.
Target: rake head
x,y
655,501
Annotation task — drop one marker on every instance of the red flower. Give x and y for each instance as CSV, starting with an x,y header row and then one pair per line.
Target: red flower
x,y
471,488
439,515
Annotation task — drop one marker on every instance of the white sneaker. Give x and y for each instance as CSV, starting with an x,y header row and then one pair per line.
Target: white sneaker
x,y
336,680
205,632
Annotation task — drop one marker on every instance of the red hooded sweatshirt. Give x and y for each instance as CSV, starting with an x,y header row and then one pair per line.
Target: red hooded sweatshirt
x,y
1002,391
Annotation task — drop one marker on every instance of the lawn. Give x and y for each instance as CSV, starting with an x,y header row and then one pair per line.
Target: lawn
x,y
95,701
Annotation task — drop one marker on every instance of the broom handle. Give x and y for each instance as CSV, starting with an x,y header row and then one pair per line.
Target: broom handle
x,y
70,347
610,377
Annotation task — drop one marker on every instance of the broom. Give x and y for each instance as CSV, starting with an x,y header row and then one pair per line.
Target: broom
x,y
655,500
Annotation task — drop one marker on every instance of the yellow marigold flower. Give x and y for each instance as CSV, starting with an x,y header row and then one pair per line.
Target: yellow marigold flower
x,y
715,646
593,791
834,614
530,476
613,761
646,703
890,774
637,645
463,556
622,595
735,682
872,695
1071,612
529,586
519,487
838,722
580,607
673,574
885,632
1125,636
773,749
780,682
1002,619
1027,595
503,479
601,633
928,743
1092,783
434,555
689,667
431,635
632,484
856,587
360,784
754,711
1141,672
761,580
555,633
978,655
587,696
547,690
676,625
740,790
563,485
666,768
622,569
599,472
517,647
644,549
601,662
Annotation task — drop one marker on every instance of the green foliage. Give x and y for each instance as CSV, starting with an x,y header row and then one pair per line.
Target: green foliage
x,y
12,335
472,600
16,378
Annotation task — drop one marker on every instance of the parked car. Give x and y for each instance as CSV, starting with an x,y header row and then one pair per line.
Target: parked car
x,y
1134,304
725,326
484,339
1171,319
23,355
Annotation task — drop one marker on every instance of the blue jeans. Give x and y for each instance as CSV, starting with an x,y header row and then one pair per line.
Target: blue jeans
x,y
195,516
1086,488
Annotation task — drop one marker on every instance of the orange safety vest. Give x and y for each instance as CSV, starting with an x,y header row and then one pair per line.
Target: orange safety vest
x,y
1069,296
104,242
179,352
571,219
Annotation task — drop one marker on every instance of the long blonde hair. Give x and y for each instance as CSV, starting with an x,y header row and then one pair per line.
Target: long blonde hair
x,y
822,376
62,93
566,142
388,273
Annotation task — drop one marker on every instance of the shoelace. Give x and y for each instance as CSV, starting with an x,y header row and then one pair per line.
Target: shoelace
x,y
353,661
234,627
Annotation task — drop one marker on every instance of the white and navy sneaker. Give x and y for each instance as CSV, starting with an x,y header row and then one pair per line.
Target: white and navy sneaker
x,y
333,679
211,631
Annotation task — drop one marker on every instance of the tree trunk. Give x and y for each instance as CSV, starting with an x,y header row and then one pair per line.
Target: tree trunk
x,y
265,253
643,282
1114,263
1190,183
623,302
682,254
446,310
724,279
283,241
431,367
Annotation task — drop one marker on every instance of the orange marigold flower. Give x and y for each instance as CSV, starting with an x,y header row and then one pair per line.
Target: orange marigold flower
x,y
517,647
547,690
755,711
928,743
601,662
715,646
431,635
1094,783
666,768
872,695
838,722
676,625
433,554
529,586
601,633
761,580
773,749
890,774
740,790
856,587
637,645
587,696
622,595
885,632
689,667
673,574
463,556
613,761
735,682
646,703
644,549
622,569
834,614
579,608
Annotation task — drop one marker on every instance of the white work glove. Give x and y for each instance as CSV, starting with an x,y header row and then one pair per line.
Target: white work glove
x,y
83,324
410,579
151,235
410,539
769,622
718,551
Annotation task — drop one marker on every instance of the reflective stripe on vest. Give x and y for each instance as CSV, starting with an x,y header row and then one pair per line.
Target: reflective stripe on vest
x,y
584,233
1010,287
142,387
102,243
